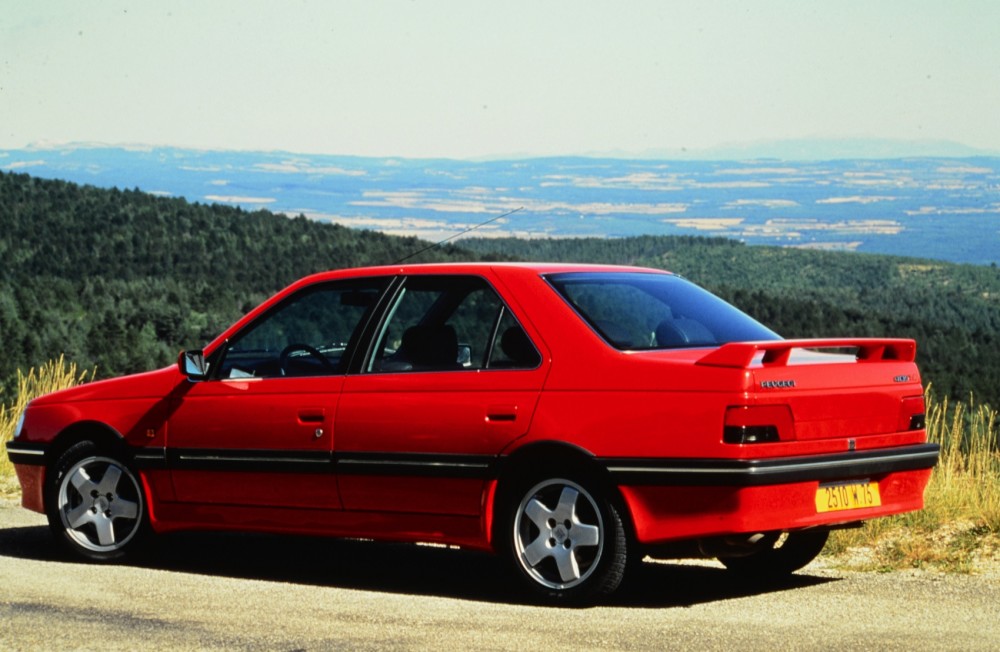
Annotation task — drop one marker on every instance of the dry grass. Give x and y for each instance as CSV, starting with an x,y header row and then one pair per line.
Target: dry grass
x,y
959,528
50,377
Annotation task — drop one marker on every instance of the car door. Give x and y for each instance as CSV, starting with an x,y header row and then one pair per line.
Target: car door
x,y
260,431
451,379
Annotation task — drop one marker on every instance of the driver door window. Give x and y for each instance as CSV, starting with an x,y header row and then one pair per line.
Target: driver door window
x,y
308,335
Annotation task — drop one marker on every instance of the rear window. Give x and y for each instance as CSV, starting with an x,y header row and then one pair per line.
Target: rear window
x,y
639,311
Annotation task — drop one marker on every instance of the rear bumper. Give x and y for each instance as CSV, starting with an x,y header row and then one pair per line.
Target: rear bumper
x,y
756,472
670,501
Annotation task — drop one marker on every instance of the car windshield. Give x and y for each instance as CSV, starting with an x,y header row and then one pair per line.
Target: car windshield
x,y
639,311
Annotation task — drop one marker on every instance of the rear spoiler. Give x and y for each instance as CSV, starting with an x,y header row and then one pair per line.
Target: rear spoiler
x,y
740,355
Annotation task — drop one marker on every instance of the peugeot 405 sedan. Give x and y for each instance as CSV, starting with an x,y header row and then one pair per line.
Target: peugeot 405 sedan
x,y
571,418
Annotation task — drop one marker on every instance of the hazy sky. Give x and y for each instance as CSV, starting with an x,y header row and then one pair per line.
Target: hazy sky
x,y
467,79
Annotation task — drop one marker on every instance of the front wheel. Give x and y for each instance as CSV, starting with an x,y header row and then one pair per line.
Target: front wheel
x,y
565,539
779,554
95,503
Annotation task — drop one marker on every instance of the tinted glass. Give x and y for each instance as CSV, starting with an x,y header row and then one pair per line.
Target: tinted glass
x,y
637,311
450,323
512,349
306,335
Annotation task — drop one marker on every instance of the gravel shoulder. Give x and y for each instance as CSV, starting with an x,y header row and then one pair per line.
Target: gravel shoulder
x,y
210,591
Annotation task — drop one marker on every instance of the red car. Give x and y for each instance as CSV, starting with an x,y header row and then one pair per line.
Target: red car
x,y
569,417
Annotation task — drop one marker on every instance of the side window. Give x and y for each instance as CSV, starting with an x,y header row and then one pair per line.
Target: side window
x,y
473,321
443,324
511,347
307,335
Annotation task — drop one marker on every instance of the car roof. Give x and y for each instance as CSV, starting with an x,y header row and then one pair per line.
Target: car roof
x,y
474,268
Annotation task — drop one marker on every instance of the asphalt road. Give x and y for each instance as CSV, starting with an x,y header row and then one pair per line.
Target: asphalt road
x,y
248,592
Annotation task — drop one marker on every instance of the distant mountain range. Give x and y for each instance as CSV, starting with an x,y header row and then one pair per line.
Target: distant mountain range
x,y
814,149
839,195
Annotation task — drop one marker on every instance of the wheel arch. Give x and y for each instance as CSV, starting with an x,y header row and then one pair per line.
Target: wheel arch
x,y
103,435
535,459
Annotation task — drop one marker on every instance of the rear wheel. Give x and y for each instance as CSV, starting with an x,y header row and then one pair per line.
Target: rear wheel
x,y
95,503
565,539
779,554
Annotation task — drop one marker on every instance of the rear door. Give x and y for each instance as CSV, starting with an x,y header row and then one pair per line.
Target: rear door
x,y
452,377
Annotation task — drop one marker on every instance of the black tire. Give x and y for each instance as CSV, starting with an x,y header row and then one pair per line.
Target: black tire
x,y
779,555
95,503
564,537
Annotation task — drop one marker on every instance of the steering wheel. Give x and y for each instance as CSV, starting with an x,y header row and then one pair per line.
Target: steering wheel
x,y
313,352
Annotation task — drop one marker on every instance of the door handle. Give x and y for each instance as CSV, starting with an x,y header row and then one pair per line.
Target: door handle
x,y
312,416
501,414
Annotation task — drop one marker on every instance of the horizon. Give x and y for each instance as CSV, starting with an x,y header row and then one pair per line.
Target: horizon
x,y
806,150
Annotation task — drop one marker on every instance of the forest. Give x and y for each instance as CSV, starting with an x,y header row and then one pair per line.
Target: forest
x,y
121,280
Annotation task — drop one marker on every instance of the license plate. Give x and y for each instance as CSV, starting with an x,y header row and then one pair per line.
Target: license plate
x,y
839,496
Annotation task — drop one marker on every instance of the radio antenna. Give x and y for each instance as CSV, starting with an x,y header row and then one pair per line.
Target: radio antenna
x,y
471,228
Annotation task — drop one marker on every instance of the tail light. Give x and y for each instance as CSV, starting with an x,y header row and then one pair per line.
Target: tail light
x,y
911,414
758,424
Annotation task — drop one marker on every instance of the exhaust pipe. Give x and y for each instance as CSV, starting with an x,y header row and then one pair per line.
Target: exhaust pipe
x,y
741,545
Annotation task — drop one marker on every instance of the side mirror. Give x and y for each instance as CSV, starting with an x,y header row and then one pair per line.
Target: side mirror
x,y
193,365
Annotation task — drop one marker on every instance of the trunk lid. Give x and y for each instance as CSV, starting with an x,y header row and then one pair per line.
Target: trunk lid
x,y
834,388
